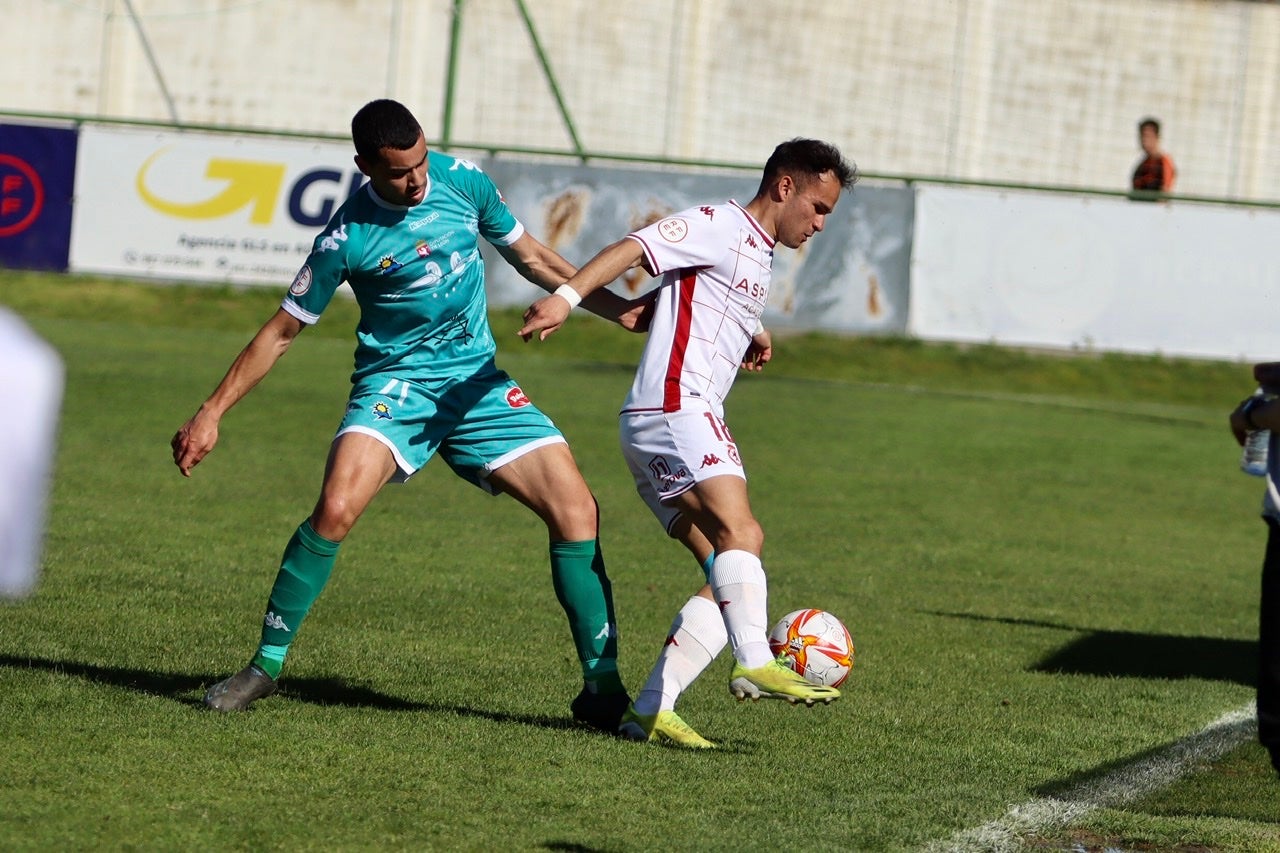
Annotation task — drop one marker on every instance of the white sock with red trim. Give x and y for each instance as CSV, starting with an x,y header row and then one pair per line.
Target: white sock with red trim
x,y
738,581
697,636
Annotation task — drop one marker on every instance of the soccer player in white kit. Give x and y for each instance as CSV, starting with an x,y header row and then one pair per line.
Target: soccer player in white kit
x,y
31,395
715,262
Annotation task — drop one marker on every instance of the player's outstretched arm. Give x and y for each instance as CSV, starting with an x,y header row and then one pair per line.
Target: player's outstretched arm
x,y
549,313
545,267
193,441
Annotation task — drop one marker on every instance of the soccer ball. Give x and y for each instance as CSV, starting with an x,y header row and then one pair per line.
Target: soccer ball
x,y
816,644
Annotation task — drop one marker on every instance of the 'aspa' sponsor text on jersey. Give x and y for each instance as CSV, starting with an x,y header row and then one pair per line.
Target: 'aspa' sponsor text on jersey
x,y
416,272
716,262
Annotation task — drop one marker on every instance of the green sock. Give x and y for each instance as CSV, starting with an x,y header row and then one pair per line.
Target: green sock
x,y
582,587
270,659
304,569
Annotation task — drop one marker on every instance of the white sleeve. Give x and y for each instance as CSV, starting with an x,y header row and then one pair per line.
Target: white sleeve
x,y
690,239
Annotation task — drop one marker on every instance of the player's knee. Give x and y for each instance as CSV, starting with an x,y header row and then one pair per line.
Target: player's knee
x,y
744,535
574,518
334,517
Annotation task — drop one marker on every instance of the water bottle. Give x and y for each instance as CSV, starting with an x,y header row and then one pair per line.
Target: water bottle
x,y
1253,459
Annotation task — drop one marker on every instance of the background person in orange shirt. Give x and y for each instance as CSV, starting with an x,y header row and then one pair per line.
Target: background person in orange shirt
x,y
1156,172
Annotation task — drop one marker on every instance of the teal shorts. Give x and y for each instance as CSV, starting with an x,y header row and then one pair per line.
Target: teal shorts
x,y
477,423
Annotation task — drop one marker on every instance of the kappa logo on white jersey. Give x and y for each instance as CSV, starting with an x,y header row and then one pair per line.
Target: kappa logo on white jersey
x,y
273,621
673,230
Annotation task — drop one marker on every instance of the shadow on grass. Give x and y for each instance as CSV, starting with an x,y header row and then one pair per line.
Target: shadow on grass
x,y
188,689
1135,655
1215,772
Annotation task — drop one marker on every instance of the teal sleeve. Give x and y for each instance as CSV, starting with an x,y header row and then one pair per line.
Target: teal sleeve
x,y
495,219
325,269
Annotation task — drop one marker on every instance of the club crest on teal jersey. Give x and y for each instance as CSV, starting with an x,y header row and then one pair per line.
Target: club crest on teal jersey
x,y
381,411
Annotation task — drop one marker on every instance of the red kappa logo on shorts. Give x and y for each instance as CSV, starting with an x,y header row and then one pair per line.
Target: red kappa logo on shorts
x,y
516,398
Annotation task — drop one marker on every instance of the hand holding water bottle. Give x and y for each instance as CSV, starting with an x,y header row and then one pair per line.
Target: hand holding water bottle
x,y
1253,458
1251,421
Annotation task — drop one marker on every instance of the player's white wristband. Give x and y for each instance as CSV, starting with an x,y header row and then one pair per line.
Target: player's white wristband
x,y
759,328
568,294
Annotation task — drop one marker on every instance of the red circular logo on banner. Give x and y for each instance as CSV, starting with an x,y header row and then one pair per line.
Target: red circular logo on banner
x,y
21,195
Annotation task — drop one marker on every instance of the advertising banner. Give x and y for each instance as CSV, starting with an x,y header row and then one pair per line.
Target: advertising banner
x,y
37,174
205,207
1070,272
852,277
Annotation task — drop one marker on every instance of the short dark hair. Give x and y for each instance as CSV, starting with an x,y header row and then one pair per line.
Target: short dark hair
x,y
807,158
383,123
1151,123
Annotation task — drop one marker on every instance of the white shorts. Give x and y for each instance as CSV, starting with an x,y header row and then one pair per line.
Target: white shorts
x,y
669,452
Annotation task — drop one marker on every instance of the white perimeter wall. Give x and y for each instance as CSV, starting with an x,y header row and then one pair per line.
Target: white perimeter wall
x,y
1095,273
1027,91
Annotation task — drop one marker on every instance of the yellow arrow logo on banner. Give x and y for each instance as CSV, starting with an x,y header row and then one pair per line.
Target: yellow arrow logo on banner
x,y
247,183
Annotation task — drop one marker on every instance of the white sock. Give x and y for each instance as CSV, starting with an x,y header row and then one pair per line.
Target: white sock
x,y
697,636
737,578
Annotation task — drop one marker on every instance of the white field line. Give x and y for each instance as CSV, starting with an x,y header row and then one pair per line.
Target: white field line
x,y
1044,815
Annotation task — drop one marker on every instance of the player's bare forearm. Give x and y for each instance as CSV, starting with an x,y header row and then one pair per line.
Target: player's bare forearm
x,y
639,313
537,263
549,313
197,437
254,362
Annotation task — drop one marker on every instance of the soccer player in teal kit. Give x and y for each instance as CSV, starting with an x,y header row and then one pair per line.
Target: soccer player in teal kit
x,y
425,383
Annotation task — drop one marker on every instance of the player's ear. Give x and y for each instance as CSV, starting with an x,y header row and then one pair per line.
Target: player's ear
x,y
362,165
784,187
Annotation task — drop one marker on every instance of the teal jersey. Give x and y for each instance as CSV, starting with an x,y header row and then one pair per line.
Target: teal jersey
x,y
416,273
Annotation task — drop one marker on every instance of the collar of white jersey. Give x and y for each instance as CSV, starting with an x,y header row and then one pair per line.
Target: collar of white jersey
x,y
768,241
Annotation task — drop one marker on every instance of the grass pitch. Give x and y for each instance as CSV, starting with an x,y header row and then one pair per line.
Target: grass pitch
x,y
1049,565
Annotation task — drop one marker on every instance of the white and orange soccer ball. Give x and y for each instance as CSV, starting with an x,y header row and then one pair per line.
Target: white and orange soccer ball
x,y
816,644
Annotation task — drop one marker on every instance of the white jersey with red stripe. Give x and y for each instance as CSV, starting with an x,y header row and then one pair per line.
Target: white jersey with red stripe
x,y
716,262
